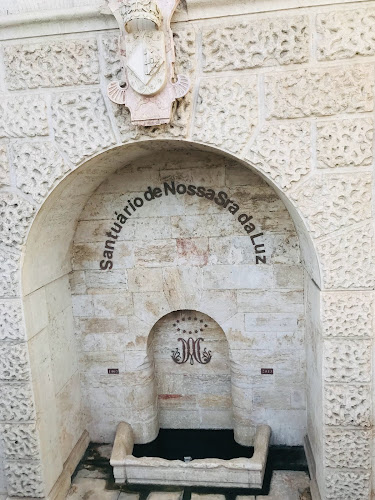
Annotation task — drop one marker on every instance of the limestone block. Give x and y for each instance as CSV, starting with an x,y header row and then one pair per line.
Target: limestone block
x,y
16,402
9,274
347,360
99,282
145,280
185,47
347,405
210,496
320,92
52,64
347,484
183,287
345,143
112,64
347,259
23,116
11,327
20,441
4,166
24,479
344,34
14,363
324,199
16,215
263,42
270,301
271,322
155,253
237,277
347,448
347,314
150,306
282,152
113,305
38,167
164,495
226,112
81,114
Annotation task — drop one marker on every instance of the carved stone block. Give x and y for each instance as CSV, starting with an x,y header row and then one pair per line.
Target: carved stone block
x,y
227,112
20,441
11,327
111,56
347,259
24,479
346,448
16,215
347,360
282,151
248,44
83,115
320,92
23,116
14,363
9,274
344,34
38,166
52,64
347,314
325,198
344,485
4,166
347,405
16,402
345,143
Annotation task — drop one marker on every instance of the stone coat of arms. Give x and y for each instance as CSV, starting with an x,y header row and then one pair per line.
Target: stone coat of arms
x,y
148,86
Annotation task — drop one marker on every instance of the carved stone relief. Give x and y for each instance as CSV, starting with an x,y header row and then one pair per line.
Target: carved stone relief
x,y
10,320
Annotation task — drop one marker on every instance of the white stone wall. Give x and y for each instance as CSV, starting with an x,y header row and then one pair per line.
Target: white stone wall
x,y
178,252
302,116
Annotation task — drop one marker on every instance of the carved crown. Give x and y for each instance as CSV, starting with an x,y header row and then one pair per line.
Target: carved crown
x,y
140,9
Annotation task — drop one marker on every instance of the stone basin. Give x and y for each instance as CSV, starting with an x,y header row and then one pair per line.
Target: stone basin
x,y
235,473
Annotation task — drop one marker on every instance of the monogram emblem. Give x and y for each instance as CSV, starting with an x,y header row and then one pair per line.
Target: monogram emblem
x,y
191,348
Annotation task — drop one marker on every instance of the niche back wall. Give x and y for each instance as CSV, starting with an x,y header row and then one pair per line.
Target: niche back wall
x,y
233,256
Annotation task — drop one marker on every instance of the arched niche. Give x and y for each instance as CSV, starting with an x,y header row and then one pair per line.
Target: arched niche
x,y
70,381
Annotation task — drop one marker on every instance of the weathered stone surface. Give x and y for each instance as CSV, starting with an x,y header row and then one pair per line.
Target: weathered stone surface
x,y
344,34
347,448
344,485
347,314
38,166
345,143
248,44
184,41
20,441
23,116
11,327
282,152
52,64
9,274
14,363
83,115
347,405
347,259
320,92
16,215
24,479
227,112
112,64
347,360
16,402
334,201
4,166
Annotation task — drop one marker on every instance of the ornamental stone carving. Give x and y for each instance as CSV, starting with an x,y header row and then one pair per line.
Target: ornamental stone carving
x,y
283,151
347,360
320,92
347,448
14,363
347,314
264,42
344,485
20,441
16,215
347,405
23,116
227,112
148,86
24,479
53,64
4,166
9,274
345,143
38,166
16,402
344,34
10,320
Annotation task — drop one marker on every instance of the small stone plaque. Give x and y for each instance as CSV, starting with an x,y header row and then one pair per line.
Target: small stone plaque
x,y
113,371
266,371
